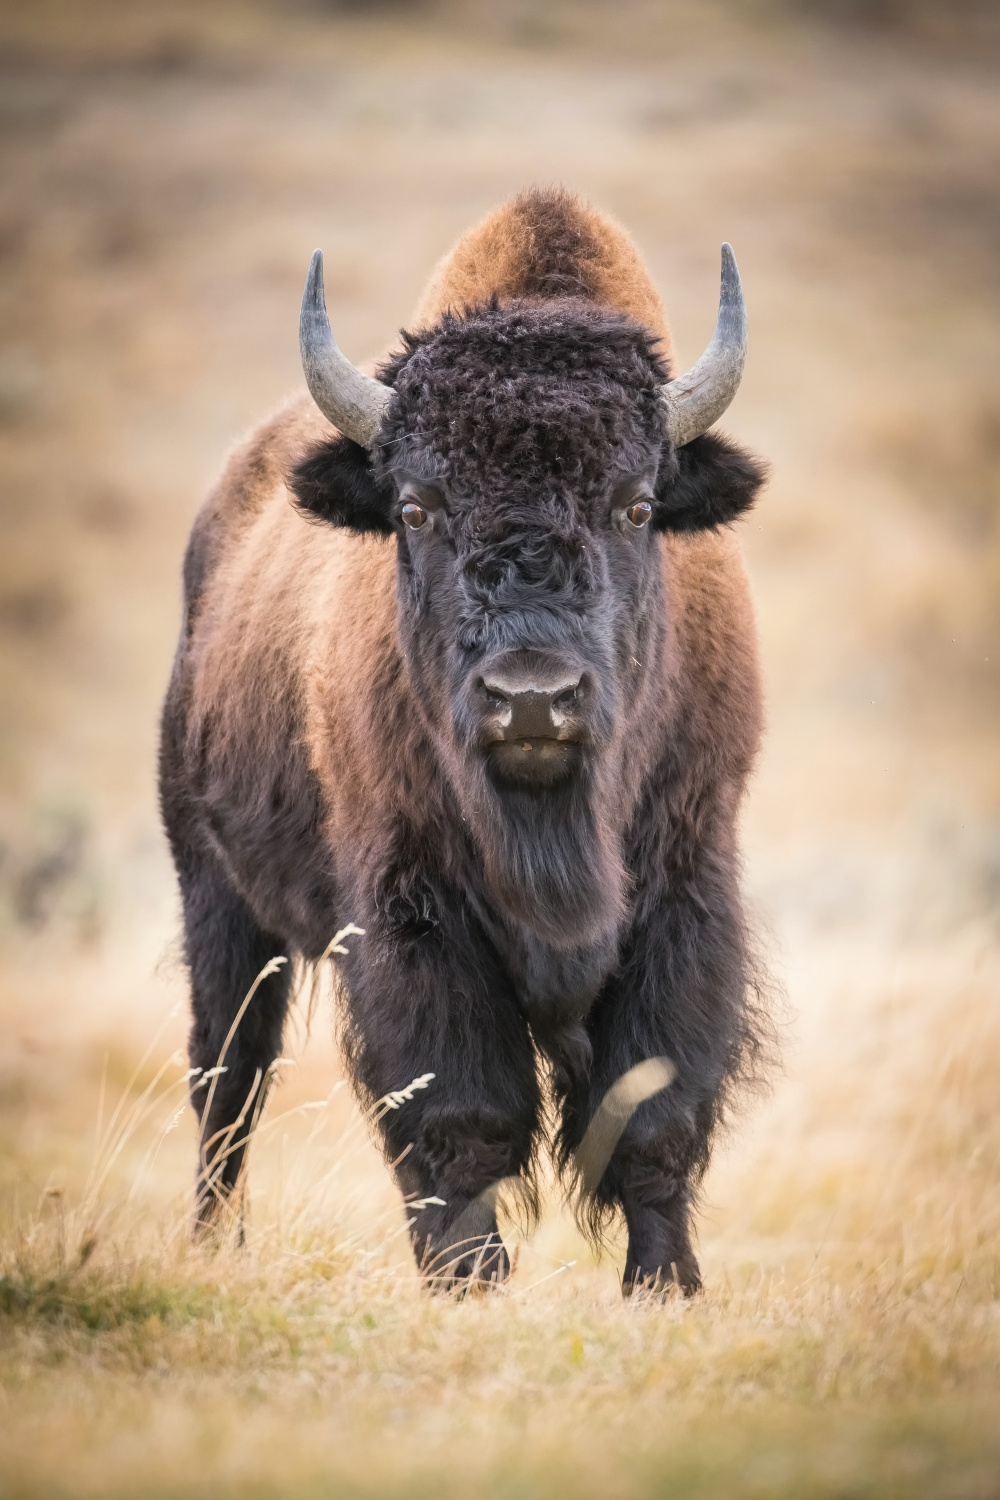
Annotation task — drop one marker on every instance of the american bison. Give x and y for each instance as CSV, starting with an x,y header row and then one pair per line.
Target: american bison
x,y
468,659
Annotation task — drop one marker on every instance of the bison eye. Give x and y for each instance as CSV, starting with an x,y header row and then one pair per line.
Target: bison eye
x,y
639,513
414,516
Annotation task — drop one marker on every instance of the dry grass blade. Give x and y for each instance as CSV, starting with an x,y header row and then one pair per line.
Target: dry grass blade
x,y
271,967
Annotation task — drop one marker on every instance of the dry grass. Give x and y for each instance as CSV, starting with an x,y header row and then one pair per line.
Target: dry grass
x,y
848,1343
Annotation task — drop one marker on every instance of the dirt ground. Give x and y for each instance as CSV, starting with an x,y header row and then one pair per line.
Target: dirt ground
x,y
167,170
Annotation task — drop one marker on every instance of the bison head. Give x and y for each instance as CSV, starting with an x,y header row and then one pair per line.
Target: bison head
x,y
526,457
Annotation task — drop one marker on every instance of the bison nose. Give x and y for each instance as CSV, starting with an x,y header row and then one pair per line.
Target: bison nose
x,y
525,708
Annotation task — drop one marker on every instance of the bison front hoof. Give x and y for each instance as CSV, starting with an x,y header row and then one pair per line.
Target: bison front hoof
x,y
217,1220
469,1268
661,1281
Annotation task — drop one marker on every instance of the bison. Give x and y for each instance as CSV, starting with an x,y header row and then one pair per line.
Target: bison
x,y
468,660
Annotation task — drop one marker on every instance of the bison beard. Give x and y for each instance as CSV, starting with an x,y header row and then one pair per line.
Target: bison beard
x,y
556,888
339,746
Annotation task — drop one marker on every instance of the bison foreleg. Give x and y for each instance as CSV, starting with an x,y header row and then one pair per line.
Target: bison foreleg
x,y
680,994
436,1000
226,951
464,1160
657,1208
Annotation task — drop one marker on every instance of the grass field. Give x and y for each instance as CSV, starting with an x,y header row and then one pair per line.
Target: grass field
x,y
847,1344
166,172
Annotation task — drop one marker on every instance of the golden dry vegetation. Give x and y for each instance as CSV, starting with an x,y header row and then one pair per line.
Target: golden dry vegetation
x,y
167,170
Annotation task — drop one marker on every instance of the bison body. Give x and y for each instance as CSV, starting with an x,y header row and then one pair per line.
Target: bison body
x,y
488,689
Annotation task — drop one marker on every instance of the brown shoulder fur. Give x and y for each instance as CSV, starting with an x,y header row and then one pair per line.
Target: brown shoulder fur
x,y
545,243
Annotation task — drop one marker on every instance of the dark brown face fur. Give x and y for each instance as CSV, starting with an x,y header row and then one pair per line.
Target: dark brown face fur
x,y
524,469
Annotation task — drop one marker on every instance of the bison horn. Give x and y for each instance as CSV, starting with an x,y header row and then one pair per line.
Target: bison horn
x,y
698,398
353,402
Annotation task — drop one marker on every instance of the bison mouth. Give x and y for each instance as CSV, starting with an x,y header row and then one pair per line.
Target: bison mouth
x,y
533,765
532,709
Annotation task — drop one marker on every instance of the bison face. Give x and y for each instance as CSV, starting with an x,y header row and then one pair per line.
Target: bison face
x,y
524,612
524,467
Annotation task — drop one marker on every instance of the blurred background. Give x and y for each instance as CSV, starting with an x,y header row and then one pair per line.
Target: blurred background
x,y
167,170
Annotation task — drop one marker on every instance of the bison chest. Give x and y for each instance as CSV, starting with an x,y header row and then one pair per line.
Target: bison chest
x,y
555,986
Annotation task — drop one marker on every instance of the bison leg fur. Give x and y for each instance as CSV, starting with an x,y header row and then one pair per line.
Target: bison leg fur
x,y
681,994
226,951
657,1209
444,1006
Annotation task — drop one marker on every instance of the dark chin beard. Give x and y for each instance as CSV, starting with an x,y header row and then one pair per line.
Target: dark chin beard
x,y
550,861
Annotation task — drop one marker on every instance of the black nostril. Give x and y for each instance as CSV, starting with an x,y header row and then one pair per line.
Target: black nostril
x,y
566,701
494,699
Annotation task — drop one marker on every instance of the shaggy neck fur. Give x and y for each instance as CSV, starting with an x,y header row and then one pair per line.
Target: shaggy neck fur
x,y
528,412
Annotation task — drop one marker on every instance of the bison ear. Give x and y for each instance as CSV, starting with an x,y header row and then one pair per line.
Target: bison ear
x,y
337,483
704,484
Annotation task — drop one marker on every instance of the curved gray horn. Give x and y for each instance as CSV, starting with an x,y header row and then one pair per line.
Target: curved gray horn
x,y
698,398
353,402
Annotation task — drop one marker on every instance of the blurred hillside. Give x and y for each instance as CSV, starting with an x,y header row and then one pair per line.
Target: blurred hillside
x,y
167,169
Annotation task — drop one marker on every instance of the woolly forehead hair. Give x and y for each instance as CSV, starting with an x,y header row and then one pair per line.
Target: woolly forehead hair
x,y
561,390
